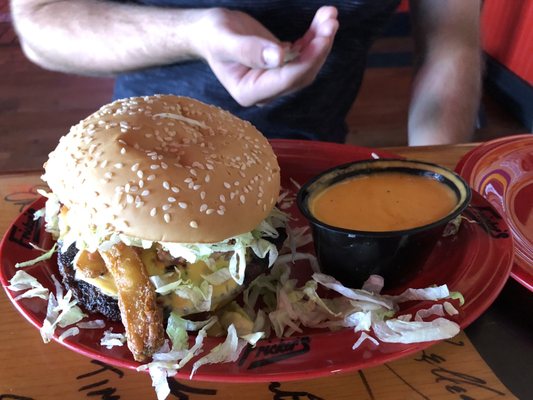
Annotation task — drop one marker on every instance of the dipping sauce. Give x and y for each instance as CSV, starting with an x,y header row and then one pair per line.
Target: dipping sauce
x,y
387,201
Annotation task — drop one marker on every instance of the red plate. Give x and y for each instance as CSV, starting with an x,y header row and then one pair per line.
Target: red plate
x,y
501,170
475,262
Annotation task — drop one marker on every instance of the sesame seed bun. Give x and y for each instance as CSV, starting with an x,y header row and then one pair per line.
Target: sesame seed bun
x,y
165,168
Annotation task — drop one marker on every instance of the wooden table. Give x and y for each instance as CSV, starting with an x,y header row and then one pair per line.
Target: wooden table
x,y
30,369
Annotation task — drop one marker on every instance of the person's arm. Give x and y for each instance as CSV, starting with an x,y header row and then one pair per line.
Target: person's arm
x,y
102,37
99,37
447,86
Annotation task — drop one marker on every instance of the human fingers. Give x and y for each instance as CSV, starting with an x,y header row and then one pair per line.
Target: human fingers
x,y
324,24
258,86
233,36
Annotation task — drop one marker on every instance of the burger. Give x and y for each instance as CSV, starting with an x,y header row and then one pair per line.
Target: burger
x,y
161,204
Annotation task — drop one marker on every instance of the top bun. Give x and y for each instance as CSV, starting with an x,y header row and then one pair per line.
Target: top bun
x,y
165,168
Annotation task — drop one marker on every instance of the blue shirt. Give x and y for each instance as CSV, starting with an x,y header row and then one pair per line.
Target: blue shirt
x,y
316,112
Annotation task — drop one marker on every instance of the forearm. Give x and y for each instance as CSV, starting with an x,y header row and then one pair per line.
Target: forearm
x,y
445,99
101,37
447,87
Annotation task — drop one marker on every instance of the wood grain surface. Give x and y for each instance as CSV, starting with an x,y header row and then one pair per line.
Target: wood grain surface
x,y
30,369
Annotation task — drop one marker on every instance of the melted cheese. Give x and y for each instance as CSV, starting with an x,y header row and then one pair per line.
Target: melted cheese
x,y
222,293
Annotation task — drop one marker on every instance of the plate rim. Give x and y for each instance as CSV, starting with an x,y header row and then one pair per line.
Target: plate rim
x,y
520,271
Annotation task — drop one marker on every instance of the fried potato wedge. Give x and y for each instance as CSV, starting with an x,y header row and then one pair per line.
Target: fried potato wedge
x,y
140,314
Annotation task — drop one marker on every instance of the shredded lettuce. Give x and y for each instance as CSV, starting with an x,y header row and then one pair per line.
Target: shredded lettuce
x,y
111,339
166,362
429,293
362,337
22,281
362,310
75,227
42,257
354,294
62,311
457,296
73,331
96,324
227,351
397,331
449,308
177,332
434,310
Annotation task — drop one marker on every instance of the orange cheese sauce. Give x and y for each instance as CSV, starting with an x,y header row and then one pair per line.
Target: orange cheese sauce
x,y
381,202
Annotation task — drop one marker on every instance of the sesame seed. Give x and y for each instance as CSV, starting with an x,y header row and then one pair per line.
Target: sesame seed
x,y
153,212
108,175
140,174
242,199
141,183
196,187
236,183
182,204
171,200
166,185
203,207
123,151
164,165
202,195
188,180
167,218
127,187
103,164
220,212
209,167
222,198
166,207
154,166
210,211
145,192
175,189
118,165
150,178
193,172
129,198
227,185
193,224
207,178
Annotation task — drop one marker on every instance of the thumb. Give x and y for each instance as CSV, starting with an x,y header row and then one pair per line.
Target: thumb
x,y
255,52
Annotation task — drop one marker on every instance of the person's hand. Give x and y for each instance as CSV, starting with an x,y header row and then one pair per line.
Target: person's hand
x,y
250,61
